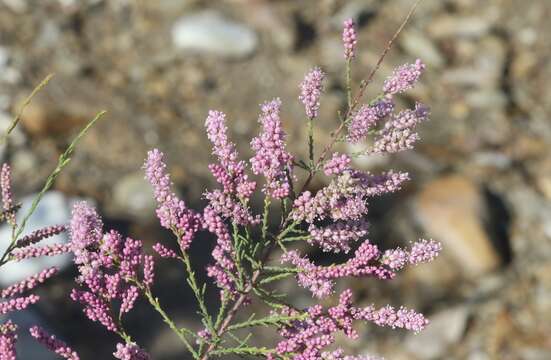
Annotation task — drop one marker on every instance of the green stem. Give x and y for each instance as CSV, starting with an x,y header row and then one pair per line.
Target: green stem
x,y
311,141
63,161
157,306
192,281
349,83
265,217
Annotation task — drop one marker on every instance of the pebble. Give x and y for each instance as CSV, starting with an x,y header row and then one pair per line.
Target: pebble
x,y
543,177
459,26
43,117
445,329
133,196
353,10
3,57
420,46
492,99
209,32
54,209
451,210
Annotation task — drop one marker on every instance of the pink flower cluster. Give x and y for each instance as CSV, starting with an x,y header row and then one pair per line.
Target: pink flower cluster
x,y
367,118
403,78
130,352
5,188
29,283
307,339
29,252
345,197
320,280
310,92
349,39
337,164
53,344
231,201
110,268
223,269
338,236
271,158
367,261
8,340
171,211
399,133
40,234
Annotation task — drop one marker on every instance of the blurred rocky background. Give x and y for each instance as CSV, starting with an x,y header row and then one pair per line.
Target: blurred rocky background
x,y
481,177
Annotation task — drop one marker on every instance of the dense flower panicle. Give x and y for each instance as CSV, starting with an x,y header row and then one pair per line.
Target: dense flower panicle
x,y
5,187
29,283
306,208
86,228
346,195
95,308
307,339
403,78
229,172
29,252
367,118
399,133
310,92
148,270
156,174
339,355
130,352
131,258
424,251
128,299
338,236
403,318
231,201
271,158
108,266
19,303
362,122
40,234
164,252
384,106
8,340
223,252
320,280
53,344
230,208
349,39
395,259
171,211
377,185
337,164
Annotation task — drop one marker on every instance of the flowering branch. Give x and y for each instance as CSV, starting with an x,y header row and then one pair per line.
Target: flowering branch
x,y
114,272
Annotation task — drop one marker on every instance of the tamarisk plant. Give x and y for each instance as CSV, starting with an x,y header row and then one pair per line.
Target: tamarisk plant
x,y
251,254
16,297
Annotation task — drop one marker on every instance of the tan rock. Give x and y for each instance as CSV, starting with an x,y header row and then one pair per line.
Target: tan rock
x,y
543,178
45,119
452,210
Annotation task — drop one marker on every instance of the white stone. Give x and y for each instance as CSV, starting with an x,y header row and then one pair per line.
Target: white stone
x,y
445,329
54,209
208,32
